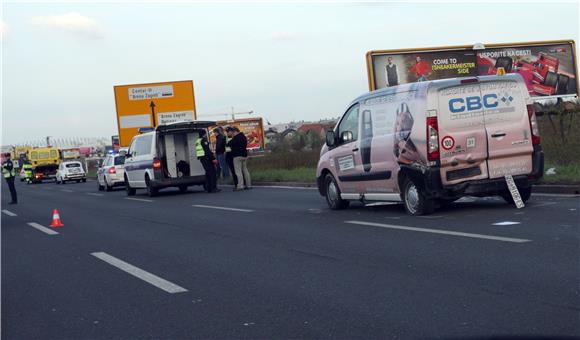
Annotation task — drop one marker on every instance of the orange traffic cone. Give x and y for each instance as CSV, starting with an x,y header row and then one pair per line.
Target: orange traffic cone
x,y
56,220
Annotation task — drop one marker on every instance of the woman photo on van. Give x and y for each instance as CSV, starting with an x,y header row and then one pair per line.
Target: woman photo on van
x,y
403,147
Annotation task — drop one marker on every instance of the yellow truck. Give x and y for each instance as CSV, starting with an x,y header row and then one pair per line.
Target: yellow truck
x,y
45,162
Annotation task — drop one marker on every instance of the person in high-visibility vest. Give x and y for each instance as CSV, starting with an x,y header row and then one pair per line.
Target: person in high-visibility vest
x,y
9,174
208,161
27,167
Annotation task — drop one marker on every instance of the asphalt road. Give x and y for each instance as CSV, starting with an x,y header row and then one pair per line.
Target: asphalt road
x,y
276,263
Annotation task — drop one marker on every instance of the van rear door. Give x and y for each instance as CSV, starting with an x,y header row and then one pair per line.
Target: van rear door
x,y
462,133
507,126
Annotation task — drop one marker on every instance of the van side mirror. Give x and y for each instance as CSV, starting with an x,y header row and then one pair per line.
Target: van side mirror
x,y
330,138
346,136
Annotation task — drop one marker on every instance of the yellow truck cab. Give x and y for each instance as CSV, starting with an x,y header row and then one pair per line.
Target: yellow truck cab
x,y
45,162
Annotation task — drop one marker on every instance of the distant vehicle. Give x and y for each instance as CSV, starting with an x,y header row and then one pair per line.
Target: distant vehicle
x,y
70,171
431,143
112,172
165,157
69,154
44,161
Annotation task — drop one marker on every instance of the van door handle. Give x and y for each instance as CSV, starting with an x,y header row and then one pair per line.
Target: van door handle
x,y
498,134
355,150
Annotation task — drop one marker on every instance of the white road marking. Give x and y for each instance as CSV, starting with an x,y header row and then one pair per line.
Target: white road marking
x,y
9,213
506,223
140,273
94,194
66,190
42,228
533,205
556,195
285,187
222,208
439,231
138,199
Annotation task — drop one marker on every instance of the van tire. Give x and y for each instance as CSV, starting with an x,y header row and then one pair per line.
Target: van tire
x,y
414,199
332,194
525,194
130,191
151,191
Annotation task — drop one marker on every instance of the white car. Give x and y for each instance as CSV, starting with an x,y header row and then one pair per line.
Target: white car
x,y
112,172
70,171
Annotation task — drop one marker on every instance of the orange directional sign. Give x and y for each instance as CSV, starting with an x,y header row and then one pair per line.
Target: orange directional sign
x,y
148,105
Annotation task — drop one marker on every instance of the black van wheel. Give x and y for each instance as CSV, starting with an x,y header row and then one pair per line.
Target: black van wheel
x,y
151,191
130,191
335,202
525,194
416,203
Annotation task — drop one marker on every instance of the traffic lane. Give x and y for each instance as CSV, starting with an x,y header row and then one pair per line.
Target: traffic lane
x,y
318,251
317,287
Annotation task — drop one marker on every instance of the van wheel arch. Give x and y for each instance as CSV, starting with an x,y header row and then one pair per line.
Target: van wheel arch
x,y
321,186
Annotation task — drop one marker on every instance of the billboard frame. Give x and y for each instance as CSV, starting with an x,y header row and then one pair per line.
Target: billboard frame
x,y
475,47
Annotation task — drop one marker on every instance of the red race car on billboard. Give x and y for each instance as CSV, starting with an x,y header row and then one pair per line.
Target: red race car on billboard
x,y
541,75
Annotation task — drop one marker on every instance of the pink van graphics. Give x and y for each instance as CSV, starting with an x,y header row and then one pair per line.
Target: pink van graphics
x,y
431,143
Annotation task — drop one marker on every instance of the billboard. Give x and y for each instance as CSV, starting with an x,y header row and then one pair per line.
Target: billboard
x,y
148,105
253,128
548,68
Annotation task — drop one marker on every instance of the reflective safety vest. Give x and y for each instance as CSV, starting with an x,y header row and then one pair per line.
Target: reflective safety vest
x,y
8,173
27,170
199,151
228,149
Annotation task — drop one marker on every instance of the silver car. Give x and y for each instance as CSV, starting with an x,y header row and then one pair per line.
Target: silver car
x,y
112,172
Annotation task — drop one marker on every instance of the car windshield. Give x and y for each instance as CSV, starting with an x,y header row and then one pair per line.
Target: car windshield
x,y
119,160
73,165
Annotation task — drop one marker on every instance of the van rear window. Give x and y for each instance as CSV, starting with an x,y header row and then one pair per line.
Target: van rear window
x,y
73,165
119,160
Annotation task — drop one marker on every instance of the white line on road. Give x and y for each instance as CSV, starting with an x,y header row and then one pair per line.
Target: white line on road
x,y
42,228
140,273
221,208
138,199
9,213
506,223
66,190
439,231
94,194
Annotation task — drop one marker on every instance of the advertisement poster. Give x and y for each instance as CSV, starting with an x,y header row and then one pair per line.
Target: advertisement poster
x,y
253,128
548,68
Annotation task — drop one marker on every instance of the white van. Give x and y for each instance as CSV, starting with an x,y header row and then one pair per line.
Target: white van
x,y
165,157
432,142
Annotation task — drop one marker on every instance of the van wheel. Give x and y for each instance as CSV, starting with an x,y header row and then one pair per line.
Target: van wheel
x,y
525,194
335,202
415,201
130,191
101,188
151,191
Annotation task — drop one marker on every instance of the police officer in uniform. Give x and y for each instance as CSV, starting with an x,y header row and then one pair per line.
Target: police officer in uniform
x,y
207,160
9,174
27,171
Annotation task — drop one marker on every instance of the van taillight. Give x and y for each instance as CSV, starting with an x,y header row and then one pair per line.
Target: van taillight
x,y
156,164
533,125
432,139
112,170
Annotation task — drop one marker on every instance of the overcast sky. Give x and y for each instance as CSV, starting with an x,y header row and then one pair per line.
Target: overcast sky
x,y
286,62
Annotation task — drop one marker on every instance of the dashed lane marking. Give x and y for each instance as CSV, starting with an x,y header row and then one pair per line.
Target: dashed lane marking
x,y
152,279
9,213
94,194
439,231
221,208
66,190
42,228
138,199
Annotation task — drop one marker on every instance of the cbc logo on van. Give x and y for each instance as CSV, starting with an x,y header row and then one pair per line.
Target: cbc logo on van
x,y
475,103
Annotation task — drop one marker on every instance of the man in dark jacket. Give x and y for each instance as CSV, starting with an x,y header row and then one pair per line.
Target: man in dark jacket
x,y
239,144
208,161
220,152
9,174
